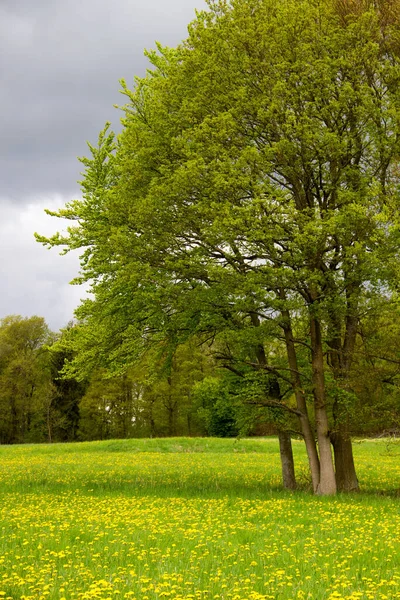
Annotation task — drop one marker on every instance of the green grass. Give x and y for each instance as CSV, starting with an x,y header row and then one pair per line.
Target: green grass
x,y
193,518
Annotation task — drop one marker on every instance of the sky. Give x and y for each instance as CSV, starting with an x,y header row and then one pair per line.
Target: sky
x,y
59,70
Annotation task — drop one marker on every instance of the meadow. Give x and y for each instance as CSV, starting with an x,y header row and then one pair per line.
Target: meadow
x,y
193,519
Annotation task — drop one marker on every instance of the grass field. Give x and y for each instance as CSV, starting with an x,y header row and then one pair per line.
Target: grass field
x,y
193,519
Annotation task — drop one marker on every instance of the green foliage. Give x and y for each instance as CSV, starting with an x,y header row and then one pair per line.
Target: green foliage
x,y
216,407
67,395
148,400
228,184
375,375
25,385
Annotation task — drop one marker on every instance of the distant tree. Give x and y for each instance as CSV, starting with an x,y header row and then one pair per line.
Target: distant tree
x,y
25,382
65,401
215,407
146,400
371,405
106,409
189,364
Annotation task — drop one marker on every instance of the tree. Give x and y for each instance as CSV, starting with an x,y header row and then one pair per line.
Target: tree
x,y
254,182
65,401
25,382
215,407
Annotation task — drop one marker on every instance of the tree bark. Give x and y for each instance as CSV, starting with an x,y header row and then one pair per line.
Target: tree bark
x,y
327,482
152,426
285,441
346,478
171,407
171,421
341,357
14,417
308,433
287,462
48,417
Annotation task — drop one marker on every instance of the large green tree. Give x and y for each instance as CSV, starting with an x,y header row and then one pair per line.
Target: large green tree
x,y
255,182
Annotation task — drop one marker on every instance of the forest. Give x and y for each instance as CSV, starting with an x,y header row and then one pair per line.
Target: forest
x,y
193,395
38,404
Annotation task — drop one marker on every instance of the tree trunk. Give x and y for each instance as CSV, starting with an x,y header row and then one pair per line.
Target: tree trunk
x,y
285,441
14,420
340,358
171,406
346,476
150,419
48,417
171,428
287,462
327,482
152,427
308,433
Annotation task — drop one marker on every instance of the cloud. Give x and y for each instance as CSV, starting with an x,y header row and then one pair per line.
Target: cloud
x,y
61,62
59,80
35,281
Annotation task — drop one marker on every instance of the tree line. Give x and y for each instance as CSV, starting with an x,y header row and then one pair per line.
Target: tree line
x,y
194,395
39,404
251,204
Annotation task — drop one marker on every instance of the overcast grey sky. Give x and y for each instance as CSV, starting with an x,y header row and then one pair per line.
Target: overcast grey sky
x,y
60,62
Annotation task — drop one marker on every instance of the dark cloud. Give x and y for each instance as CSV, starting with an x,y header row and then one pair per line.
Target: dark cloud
x,y
61,62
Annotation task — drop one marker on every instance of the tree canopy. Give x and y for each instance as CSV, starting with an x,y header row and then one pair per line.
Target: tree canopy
x,y
251,201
